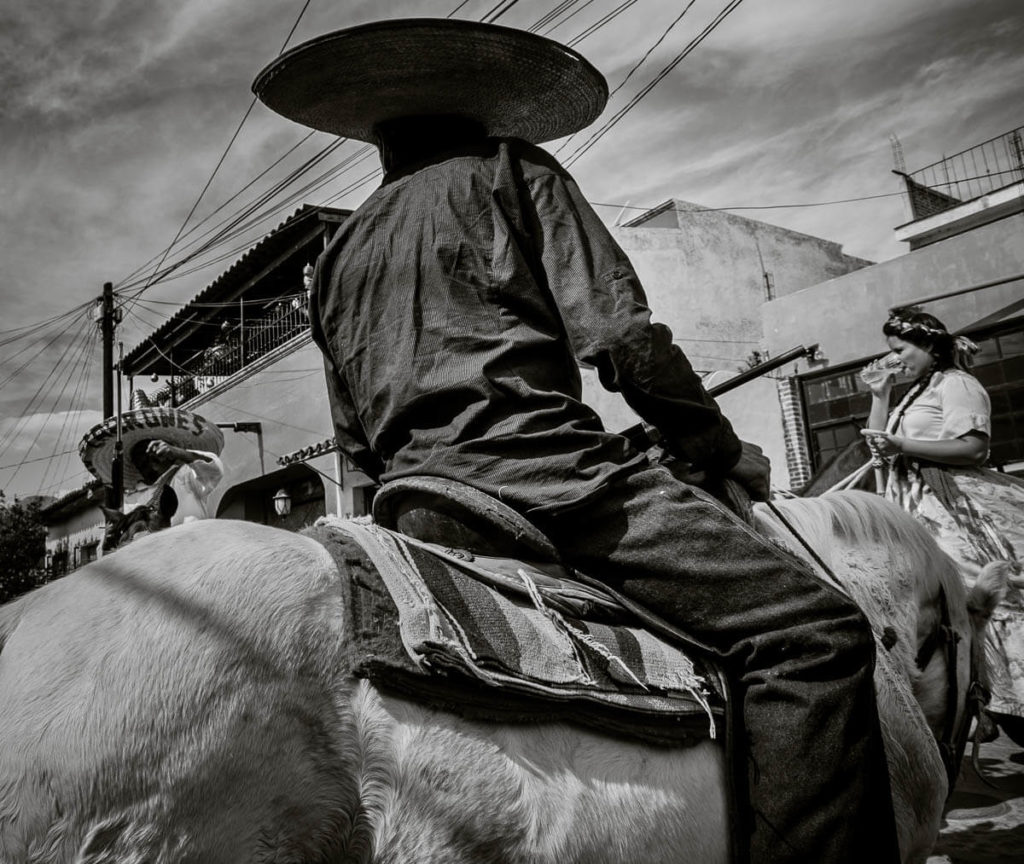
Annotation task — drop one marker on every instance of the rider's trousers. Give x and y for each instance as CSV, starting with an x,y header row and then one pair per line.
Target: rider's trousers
x,y
799,652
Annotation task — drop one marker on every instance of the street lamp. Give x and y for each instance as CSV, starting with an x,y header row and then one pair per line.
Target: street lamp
x,y
282,502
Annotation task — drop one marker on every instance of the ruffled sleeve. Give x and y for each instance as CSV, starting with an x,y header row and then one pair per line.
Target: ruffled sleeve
x,y
965,406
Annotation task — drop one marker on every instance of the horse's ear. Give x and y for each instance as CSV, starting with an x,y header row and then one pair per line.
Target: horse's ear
x,y
112,515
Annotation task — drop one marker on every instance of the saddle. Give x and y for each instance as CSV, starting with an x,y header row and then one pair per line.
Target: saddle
x,y
460,602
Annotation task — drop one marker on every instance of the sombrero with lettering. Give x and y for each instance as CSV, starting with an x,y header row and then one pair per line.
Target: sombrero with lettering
x,y
514,83
173,425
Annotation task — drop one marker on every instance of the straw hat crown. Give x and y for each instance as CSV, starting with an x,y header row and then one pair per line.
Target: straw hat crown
x,y
515,84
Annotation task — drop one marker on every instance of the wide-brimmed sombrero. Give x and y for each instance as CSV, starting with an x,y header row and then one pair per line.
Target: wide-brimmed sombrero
x,y
516,84
173,425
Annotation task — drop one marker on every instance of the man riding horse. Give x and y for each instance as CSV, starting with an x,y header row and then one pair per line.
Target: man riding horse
x,y
453,307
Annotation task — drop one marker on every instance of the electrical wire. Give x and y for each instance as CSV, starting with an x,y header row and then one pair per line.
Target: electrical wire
x,y
551,21
751,206
230,226
495,12
79,353
214,212
50,342
499,9
637,65
235,225
223,155
730,7
76,404
457,8
601,22
26,330
38,459
75,407
490,18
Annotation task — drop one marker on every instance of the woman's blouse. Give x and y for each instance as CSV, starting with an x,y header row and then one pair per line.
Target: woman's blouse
x,y
953,404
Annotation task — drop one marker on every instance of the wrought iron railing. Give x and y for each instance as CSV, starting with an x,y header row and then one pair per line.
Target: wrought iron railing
x,y
965,176
245,345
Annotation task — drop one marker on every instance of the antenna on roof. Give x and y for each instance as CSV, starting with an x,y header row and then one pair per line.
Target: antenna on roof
x,y
897,154
900,167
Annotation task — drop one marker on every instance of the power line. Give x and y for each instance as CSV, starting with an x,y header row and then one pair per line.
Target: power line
x,y
28,329
223,155
496,11
553,15
496,15
77,361
21,368
213,213
235,225
751,206
39,459
77,399
731,6
80,345
650,50
601,22
637,65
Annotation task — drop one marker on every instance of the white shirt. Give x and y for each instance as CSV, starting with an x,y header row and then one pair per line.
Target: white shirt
x,y
192,483
953,404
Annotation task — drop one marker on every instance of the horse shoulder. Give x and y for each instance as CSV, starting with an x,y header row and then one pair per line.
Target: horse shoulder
x,y
543,793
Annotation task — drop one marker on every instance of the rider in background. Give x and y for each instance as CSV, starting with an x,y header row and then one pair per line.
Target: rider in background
x,y
191,475
936,442
453,307
171,462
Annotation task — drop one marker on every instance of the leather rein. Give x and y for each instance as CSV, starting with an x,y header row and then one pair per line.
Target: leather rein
x,y
951,745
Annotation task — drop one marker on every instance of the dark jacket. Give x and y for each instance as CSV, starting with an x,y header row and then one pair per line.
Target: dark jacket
x,y
452,308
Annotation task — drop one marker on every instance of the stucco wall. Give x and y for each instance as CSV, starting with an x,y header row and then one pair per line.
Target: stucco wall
x,y
705,280
845,315
289,398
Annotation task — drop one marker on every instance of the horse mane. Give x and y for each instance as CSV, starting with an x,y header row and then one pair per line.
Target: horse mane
x,y
865,520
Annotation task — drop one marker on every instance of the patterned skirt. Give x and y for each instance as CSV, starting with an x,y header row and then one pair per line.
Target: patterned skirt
x,y
977,516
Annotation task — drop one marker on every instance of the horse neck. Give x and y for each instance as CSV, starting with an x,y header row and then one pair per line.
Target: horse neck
x,y
899,577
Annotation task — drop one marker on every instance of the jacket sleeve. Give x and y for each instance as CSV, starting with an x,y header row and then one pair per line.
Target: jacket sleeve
x,y
348,429
606,318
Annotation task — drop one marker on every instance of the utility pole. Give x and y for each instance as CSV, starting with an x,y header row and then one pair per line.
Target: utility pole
x,y
108,319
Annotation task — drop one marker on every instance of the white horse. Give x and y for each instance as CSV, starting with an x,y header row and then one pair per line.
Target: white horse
x,y
183,700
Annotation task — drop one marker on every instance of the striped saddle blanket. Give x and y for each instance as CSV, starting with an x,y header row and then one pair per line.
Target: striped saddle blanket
x,y
496,639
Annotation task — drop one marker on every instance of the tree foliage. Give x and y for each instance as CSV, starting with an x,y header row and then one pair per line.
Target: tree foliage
x,y
22,548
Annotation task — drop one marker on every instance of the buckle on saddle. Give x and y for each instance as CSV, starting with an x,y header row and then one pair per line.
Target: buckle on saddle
x,y
455,515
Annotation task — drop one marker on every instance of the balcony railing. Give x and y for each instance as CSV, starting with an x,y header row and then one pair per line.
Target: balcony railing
x,y
977,171
236,350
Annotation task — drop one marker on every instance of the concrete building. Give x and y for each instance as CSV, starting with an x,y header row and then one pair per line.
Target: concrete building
x,y
707,274
965,265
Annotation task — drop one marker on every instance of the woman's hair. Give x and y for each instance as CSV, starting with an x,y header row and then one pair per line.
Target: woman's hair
x,y
929,334
926,332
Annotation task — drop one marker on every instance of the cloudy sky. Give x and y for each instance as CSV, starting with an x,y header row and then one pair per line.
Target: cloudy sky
x,y
114,115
